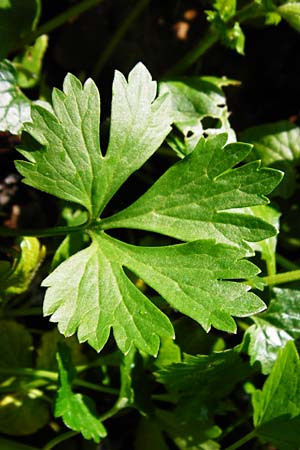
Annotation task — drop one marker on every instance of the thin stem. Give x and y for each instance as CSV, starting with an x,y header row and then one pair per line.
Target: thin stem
x,y
242,441
22,312
59,439
280,278
53,376
207,41
46,232
286,263
211,37
59,20
118,36
120,404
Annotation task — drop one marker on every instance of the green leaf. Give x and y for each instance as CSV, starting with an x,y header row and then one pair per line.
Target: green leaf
x,y
28,64
290,11
17,277
277,405
46,352
23,413
234,38
199,108
278,145
77,411
201,381
226,8
69,164
16,346
191,277
195,197
188,435
17,18
274,328
14,106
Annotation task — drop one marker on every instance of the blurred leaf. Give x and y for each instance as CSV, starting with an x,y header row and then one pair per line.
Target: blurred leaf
x,y
234,38
188,435
77,411
199,381
28,64
169,353
277,405
290,11
14,106
199,108
17,277
23,412
46,352
277,145
149,436
16,346
17,18
12,445
226,8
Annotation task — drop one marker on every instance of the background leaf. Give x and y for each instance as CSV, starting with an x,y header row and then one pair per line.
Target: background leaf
x,y
14,106
17,17
198,106
277,405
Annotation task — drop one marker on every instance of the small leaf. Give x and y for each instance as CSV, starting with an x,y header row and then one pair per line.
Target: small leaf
x,y
290,11
68,162
77,411
17,18
195,197
17,278
28,64
191,277
14,106
226,8
234,38
277,405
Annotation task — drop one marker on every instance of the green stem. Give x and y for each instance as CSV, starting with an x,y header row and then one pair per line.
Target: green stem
x,y
59,20
46,232
242,441
250,11
280,278
207,41
118,36
53,376
61,438
120,404
22,312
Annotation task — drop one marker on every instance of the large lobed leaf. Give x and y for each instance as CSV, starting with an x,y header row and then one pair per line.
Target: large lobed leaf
x,y
196,200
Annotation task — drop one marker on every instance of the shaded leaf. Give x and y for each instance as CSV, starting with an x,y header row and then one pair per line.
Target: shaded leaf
x,y
277,405
199,108
28,64
17,277
274,328
290,11
14,106
16,346
23,413
77,411
17,17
